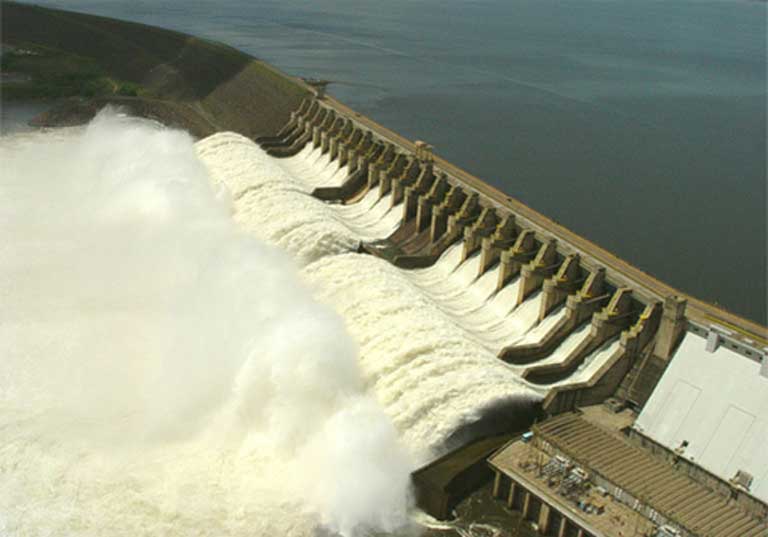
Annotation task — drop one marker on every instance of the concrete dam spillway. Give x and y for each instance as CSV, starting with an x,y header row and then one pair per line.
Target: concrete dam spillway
x,y
466,319
439,282
229,341
415,355
473,312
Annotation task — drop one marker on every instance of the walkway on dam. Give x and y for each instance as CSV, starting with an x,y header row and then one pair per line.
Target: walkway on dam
x,y
698,310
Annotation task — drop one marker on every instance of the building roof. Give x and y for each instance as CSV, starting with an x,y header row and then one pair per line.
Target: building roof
x,y
656,483
717,402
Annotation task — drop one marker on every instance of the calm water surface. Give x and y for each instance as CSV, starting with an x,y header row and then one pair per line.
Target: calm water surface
x,y
15,118
640,125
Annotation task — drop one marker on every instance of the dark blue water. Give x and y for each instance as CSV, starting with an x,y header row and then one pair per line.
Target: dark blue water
x,y
640,125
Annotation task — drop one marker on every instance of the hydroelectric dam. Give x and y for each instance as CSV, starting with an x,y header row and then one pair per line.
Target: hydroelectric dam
x,y
522,365
475,315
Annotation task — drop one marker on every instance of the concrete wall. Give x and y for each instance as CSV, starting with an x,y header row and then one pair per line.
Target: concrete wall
x,y
535,508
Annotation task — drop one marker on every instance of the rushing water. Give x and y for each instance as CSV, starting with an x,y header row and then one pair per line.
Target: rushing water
x,y
428,338
638,124
163,370
164,373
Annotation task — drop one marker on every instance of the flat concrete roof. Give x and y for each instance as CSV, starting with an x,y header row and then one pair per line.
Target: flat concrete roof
x,y
718,403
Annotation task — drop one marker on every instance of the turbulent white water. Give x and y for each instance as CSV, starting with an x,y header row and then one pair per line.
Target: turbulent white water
x,y
271,199
165,372
314,168
429,375
162,373
428,337
277,207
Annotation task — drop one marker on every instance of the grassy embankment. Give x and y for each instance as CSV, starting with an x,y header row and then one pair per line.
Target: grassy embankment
x,y
175,78
37,72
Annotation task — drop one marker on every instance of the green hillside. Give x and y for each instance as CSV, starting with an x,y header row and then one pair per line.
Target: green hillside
x,y
52,53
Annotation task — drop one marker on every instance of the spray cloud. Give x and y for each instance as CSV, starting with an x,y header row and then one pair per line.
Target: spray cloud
x,y
161,372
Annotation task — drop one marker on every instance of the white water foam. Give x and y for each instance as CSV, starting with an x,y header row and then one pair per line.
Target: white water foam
x,y
271,202
124,281
429,375
162,373
396,307
489,317
277,207
314,168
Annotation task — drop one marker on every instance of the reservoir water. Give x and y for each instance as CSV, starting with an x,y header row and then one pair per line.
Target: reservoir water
x,y
639,125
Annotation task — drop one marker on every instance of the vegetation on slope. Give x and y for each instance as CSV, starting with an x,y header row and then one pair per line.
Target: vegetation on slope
x,y
36,72
87,56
